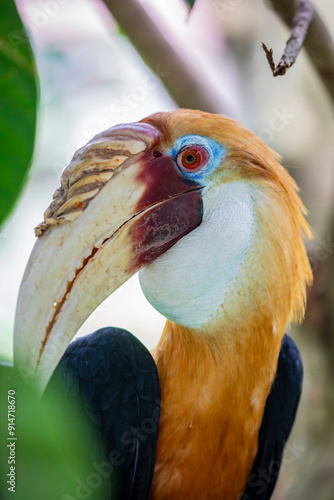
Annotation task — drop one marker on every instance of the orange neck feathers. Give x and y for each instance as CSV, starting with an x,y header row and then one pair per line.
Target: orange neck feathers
x,y
215,379
213,392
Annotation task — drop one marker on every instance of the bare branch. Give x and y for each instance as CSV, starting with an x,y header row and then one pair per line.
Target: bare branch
x,y
173,64
269,54
300,24
318,42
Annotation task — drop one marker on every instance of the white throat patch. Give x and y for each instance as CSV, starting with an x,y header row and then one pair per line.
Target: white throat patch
x,y
189,282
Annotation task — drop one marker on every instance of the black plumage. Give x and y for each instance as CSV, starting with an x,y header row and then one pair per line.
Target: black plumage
x,y
278,418
113,379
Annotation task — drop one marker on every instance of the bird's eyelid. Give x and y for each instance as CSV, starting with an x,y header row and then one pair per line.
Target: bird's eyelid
x,y
212,147
191,140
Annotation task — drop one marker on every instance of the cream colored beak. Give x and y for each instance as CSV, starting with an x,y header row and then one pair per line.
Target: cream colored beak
x,y
121,204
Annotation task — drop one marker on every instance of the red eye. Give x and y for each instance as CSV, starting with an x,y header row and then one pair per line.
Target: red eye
x,y
192,158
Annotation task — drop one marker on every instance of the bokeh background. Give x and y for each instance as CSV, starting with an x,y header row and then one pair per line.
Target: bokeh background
x,y
92,76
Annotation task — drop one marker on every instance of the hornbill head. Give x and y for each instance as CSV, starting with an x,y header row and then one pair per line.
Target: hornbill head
x,y
196,201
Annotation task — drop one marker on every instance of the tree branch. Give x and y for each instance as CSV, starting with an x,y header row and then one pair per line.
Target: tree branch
x,y
300,23
173,64
318,41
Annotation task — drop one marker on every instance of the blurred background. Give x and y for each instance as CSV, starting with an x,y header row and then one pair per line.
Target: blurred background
x,y
94,74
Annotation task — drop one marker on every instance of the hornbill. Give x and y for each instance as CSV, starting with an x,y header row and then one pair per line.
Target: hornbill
x,y
213,222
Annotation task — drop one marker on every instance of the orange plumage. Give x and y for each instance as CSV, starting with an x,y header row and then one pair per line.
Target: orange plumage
x,y
215,380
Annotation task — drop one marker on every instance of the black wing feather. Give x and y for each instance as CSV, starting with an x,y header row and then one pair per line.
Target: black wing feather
x,y
114,380
278,418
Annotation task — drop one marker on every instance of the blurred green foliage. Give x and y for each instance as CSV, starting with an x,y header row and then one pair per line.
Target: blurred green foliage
x,y
53,456
190,3
18,103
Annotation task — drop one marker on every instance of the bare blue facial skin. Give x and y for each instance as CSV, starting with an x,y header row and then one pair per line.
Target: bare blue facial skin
x,y
216,153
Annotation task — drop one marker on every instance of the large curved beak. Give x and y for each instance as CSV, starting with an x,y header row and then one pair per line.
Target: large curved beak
x,y
121,204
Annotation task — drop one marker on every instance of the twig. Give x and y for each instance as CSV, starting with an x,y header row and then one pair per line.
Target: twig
x,y
269,54
300,24
318,42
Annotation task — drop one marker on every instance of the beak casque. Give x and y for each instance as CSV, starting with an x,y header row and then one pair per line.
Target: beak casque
x,y
121,204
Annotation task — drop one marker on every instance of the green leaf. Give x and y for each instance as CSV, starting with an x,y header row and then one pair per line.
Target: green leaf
x,y
18,103
45,450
